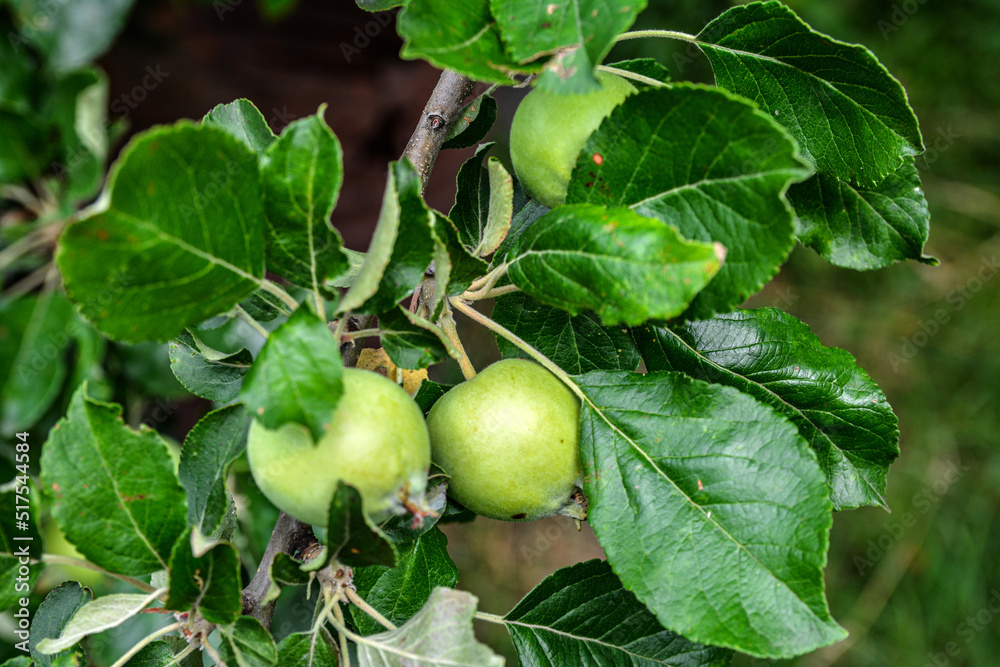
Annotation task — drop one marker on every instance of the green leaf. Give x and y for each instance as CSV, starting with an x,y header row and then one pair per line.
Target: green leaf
x,y
770,355
401,249
461,36
849,116
647,67
577,344
863,228
398,593
34,341
303,649
455,267
210,374
180,241
473,122
579,32
501,209
157,654
625,267
471,210
264,306
428,393
73,34
352,539
297,377
58,607
209,449
115,494
711,509
247,643
207,580
301,175
287,570
583,615
78,102
243,120
97,616
440,634
525,215
709,164
17,540
408,342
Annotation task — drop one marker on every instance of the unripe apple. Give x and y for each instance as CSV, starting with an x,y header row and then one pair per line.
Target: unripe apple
x,y
509,440
549,130
377,442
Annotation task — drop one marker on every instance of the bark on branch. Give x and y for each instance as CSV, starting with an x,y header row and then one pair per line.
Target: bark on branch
x,y
291,535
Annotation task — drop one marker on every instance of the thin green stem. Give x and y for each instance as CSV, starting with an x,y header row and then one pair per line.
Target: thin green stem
x,y
447,324
212,652
276,290
25,244
493,293
662,34
52,559
625,74
338,332
254,324
368,609
342,630
489,279
501,330
491,618
180,656
148,639
361,333
29,282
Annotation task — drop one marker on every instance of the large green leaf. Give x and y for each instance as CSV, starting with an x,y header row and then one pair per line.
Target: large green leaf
x,y
625,267
440,634
351,536
863,228
461,36
401,249
577,344
709,164
582,615
767,353
711,509
34,340
180,241
579,32
297,377
850,117
115,494
301,174
399,592
209,449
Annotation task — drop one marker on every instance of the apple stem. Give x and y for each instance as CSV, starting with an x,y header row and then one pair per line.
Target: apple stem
x,y
664,34
254,324
368,609
447,324
501,330
625,74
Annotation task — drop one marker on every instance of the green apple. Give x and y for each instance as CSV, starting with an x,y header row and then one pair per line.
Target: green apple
x,y
509,440
549,130
377,442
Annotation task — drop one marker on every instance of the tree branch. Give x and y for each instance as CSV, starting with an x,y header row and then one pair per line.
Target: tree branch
x,y
291,535
440,112
288,536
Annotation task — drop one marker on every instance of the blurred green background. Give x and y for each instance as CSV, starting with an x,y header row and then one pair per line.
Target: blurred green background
x,y
913,587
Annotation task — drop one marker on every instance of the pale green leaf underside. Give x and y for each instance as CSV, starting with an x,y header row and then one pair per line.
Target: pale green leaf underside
x,y
99,615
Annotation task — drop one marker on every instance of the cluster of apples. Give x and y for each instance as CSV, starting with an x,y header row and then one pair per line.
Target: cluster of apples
x,y
508,438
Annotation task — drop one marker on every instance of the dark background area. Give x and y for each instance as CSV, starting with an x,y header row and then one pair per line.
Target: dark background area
x,y
914,587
